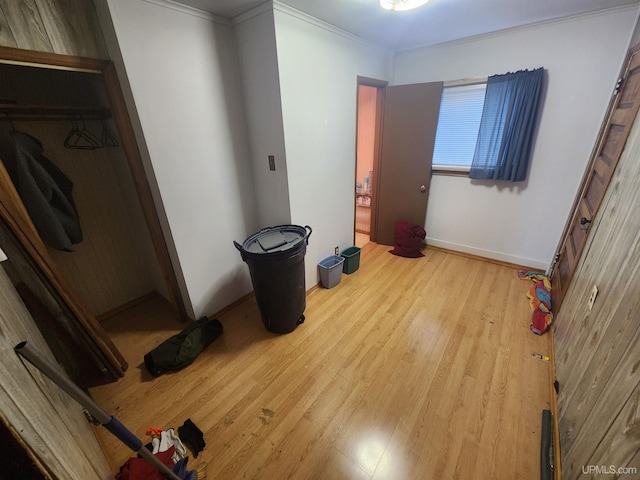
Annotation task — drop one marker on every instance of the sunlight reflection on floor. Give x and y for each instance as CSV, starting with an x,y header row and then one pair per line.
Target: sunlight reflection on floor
x,y
369,449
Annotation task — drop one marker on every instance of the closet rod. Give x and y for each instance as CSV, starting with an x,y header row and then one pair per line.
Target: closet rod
x,y
51,112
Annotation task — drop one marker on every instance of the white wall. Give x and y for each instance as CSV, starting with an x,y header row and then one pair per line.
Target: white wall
x,y
318,68
213,176
183,71
522,222
255,32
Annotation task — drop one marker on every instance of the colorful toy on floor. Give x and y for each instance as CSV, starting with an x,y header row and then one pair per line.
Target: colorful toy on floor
x,y
539,299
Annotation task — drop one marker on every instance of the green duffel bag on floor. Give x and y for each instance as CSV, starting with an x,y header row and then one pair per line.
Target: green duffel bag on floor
x,y
181,350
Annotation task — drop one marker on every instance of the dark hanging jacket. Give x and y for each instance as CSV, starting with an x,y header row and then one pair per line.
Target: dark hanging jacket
x,y
43,188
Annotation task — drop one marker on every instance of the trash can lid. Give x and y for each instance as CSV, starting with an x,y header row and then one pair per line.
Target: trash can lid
x,y
278,239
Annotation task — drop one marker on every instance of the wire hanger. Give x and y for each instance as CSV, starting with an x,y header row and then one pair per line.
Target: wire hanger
x,y
107,139
89,136
79,137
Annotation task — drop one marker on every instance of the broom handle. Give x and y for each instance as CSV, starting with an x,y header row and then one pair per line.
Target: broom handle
x,y
109,422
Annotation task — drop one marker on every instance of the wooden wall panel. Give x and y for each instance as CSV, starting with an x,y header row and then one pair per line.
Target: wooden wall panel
x,y
25,25
6,37
49,422
73,27
598,350
633,467
68,27
620,443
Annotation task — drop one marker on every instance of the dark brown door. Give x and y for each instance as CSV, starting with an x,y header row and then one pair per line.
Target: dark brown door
x,y
409,126
613,135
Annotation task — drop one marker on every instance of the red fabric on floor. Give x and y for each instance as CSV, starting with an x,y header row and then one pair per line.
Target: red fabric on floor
x,y
408,240
140,469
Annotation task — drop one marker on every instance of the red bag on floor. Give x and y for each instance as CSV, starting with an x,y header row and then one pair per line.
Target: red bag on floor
x,y
408,240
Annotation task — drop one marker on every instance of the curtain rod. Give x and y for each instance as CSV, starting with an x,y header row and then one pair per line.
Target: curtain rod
x,y
465,81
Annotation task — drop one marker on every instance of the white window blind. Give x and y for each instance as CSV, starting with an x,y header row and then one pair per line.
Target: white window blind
x,y
458,124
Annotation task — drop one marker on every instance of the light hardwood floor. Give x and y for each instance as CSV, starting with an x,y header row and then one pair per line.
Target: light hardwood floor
x,y
408,369
361,239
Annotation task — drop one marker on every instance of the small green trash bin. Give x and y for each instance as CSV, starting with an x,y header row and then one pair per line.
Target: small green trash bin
x,y
351,259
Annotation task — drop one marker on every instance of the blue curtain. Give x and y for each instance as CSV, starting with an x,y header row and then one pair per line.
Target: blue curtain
x,y
507,126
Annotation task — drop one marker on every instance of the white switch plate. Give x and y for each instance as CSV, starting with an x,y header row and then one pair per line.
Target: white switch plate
x,y
592,297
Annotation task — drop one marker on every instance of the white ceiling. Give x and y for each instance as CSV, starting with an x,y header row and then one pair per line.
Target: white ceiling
x,y
438,21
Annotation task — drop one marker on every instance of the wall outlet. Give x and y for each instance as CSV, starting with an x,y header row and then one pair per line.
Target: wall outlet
x,y
337,250
592,297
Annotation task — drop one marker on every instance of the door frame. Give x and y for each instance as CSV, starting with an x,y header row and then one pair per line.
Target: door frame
x,y
380,86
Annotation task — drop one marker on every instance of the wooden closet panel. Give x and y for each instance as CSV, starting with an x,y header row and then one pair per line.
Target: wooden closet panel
x,y
73,27
22,239
49,422
6,37
25,25
114,263
597,350
70,27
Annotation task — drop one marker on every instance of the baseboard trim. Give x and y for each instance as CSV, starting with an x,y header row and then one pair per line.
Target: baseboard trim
x,y
126,306
527,263
481,258
232,305
244,298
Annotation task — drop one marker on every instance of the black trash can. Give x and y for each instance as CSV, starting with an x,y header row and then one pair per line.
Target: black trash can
x,y
275,256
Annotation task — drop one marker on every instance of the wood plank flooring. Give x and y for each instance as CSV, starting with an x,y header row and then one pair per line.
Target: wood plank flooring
x,y
408,369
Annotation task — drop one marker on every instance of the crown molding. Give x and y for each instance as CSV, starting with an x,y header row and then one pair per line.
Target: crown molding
x,y
253,12
529,26
281,7
194,12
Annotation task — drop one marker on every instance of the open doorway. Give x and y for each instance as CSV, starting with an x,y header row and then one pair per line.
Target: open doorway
x,y
369,116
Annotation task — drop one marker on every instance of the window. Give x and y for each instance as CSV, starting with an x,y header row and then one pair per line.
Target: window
x,y
458,123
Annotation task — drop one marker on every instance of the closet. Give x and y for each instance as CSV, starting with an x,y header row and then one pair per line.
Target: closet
x,y
122,259
113,265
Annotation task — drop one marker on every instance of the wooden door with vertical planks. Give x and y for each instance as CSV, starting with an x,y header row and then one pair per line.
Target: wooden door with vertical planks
x,y
611,141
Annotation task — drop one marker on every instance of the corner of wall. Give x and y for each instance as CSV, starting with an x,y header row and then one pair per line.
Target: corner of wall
x,y
115,54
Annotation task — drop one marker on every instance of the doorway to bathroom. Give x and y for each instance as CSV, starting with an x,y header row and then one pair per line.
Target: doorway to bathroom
x,y
369,123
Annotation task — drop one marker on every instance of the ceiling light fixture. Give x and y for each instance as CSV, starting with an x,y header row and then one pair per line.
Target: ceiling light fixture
x,y
401,5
